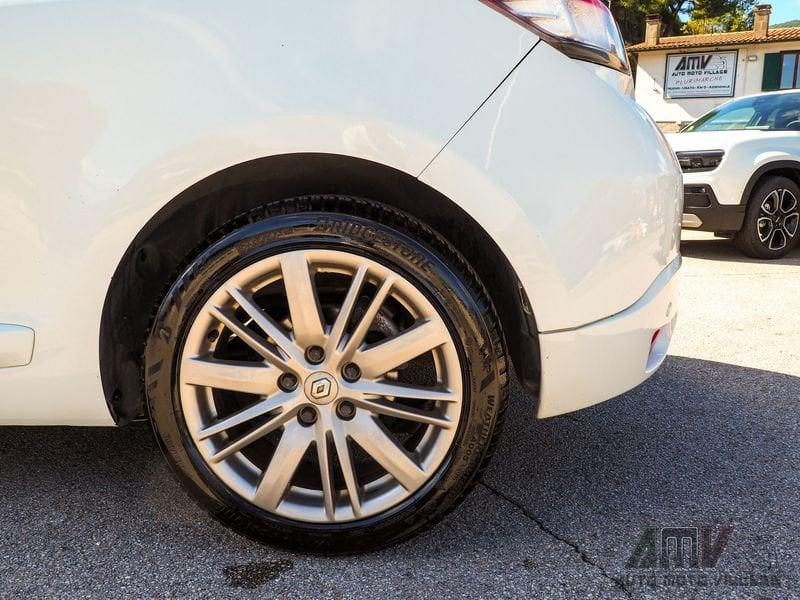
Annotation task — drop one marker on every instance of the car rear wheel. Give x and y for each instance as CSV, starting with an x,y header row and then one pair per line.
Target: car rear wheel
x,y
771,226
326,381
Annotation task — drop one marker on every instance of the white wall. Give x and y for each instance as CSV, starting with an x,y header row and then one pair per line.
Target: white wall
x,y
650,81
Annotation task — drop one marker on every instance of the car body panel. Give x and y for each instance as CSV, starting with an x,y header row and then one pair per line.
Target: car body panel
x,y
112,109
106,120
584,366
588,229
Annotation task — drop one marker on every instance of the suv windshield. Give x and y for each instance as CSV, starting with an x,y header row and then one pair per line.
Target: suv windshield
x,y
774,112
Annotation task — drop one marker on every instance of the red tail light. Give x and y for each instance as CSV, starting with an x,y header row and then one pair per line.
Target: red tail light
x,y
582,29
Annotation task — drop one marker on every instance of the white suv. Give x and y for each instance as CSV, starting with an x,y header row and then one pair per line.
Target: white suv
x,y
741,165
307,241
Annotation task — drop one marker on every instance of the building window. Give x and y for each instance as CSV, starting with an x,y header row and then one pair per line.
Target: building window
x,y
781,71
789,61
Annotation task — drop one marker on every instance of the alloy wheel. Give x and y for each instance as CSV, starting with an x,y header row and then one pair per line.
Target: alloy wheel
x,y
778,219
321,386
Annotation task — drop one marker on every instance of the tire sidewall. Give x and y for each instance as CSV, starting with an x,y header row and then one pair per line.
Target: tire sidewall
x,y
460,308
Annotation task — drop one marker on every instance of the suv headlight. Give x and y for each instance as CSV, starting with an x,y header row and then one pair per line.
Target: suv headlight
x,y
700,160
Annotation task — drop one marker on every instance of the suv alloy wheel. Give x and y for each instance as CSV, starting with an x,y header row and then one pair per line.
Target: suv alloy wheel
x,y
772,223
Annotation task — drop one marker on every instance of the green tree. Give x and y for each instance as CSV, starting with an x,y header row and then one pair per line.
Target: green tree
x,y
718,15
736,17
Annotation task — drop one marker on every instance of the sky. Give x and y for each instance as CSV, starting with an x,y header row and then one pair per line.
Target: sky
x,y
783,10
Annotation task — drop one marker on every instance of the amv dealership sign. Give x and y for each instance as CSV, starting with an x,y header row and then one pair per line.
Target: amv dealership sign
x,y
703,75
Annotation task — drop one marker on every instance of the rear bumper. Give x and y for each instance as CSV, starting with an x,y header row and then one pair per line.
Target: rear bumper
x,y
703,212
590,364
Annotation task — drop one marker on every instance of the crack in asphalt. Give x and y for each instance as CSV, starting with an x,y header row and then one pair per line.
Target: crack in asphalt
x,y
575,547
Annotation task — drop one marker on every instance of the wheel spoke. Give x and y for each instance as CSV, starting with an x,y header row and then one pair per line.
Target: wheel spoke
x,y
393,409
400,390
236,376
265,322
777,240
303,302
255,435
790,224
346,310
360,331
246,414
325,468
772,200
764,228
278,475
384,356
376,441
346,463
787,207
256,342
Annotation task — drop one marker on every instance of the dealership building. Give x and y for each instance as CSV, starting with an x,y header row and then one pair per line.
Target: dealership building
x,y
680,78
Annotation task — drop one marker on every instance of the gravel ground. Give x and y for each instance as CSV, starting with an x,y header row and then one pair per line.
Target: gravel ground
x,y
712,440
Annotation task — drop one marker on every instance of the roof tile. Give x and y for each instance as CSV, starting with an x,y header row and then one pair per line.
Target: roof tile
x,y
737,38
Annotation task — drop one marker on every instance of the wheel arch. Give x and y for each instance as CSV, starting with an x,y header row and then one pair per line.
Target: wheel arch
x,y
178,229
785,168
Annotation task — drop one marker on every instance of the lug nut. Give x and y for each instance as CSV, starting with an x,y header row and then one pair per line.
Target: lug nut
x,y
346,410
287,382
315,354
351,372
307,416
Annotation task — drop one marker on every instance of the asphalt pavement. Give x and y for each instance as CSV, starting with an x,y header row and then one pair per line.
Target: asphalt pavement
x,y
572,507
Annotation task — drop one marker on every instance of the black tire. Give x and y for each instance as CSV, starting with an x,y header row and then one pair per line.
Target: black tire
x,y
748,239
380,233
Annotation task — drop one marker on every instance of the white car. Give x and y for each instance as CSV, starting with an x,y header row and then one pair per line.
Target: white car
x,y
307,243
741,165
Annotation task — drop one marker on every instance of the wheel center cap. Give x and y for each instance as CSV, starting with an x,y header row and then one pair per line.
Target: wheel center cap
x,y
321,388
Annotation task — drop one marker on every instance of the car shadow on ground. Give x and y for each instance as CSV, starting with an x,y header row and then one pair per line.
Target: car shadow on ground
x,y
701,443
723,249
560,509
